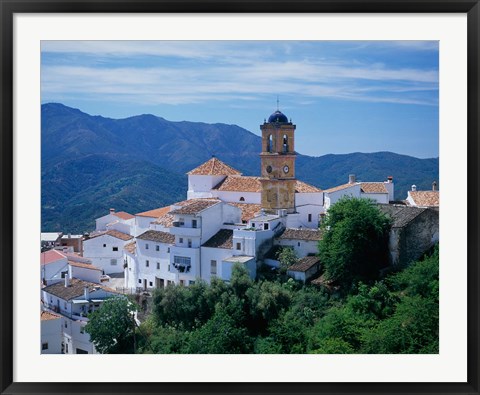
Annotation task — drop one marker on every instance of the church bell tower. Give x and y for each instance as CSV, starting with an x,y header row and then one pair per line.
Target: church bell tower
x,y
278,163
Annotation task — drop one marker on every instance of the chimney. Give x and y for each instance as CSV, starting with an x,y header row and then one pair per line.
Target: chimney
x,y
414,188
434,185
86,293
390,179
351,179
112,210
67,281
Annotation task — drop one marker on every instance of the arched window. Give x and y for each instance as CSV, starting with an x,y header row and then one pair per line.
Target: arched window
x,y
285,143
270,143
242,199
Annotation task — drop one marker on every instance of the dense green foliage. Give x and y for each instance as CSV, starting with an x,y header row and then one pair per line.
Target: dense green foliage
x,y
398,314
92,163
354,245
112,326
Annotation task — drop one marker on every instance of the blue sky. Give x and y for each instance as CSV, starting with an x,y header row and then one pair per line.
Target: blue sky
x,y
344,96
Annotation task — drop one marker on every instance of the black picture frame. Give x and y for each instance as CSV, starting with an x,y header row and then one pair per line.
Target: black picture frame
x,y
7,200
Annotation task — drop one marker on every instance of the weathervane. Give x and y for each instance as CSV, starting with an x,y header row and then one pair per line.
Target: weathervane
x,y
278,109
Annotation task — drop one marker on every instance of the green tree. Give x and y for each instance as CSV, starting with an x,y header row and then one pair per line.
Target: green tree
x,y
354,245
112,326
287,258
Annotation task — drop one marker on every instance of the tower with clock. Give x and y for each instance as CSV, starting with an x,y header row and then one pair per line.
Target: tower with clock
x,y
278,163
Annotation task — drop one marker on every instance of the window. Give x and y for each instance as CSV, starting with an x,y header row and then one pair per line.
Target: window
x,y
269,143
64,274
242,199
45,346
285,143
213,267
182,260
168,250
265,226
182,282
168,267
146,246
180,240
158,265
66,324
298,244
139,280
239,246
189,243
114,248
147,263
104,245
157,248
113,262
82,329
66,348
191,282
151,283
80,351
309,217
194,223
65,305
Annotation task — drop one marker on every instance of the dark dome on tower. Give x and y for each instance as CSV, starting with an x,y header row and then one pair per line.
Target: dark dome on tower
x,y
278,116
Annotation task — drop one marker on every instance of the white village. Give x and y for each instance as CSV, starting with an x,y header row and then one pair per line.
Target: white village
x,y
226,219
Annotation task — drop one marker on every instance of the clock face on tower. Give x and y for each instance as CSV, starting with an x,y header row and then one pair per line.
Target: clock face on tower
x,y
269,169
286,169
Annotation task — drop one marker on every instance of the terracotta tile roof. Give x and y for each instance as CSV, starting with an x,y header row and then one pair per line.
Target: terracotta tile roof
x,y
249,210
123,215
214,167
131,247
75,289
401,215
301,234
239,184
156,213
47,316
84,265
340,187
157,236
303,187
222,239
194,206
304,264
165,220
50,256
373,187
425,198
113,233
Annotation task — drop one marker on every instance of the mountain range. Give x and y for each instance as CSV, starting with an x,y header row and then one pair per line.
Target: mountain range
x,y
92,163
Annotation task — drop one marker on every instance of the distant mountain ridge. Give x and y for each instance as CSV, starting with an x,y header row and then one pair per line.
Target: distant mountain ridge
x,y
92,163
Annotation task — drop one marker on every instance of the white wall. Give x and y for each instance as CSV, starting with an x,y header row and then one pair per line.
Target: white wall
x,y
85,274
75,339
315,198
378,197
101,223
300,220
52,272
142,224
51,333
227,267
333,197
101,256
150,273
121,226
198,184
218,254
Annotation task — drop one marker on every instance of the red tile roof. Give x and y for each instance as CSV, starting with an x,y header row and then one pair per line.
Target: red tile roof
x,y
301,234
156,213
222,239
249,210
75,289
47,316
425,198
373,187
165,220
194,206
303,187
157,236
131,247
123,215
51,256
84,265
114,233
239,184
304,264
340,187
214,167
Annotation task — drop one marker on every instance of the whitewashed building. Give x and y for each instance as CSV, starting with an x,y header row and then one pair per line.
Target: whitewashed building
x,y
105,250
303,241
425,199
51,333
380,192
121,221
73,299
53,267
304,269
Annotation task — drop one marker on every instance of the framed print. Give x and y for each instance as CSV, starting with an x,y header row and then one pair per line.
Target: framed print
x,y
131,148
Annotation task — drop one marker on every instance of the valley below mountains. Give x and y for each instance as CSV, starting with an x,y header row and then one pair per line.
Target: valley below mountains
x,y
91,163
